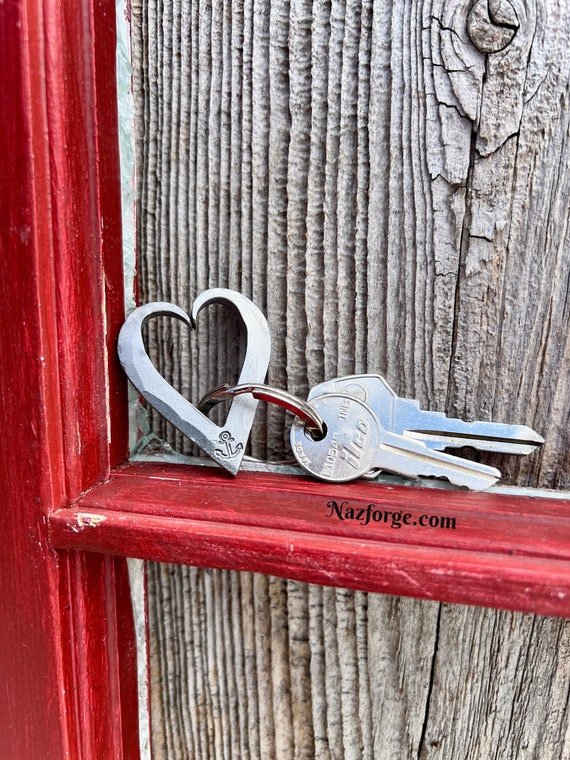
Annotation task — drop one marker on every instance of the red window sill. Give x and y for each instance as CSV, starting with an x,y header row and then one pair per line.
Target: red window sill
x,y
487,549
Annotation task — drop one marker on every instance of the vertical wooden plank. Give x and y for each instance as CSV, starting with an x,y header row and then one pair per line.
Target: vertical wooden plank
x,y
100,671
86,231
32,707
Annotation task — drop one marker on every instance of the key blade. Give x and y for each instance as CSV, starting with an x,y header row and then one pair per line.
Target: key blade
x,y
412,459
438,432
405,417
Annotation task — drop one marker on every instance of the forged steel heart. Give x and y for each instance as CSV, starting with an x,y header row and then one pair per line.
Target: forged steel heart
x,y
225,445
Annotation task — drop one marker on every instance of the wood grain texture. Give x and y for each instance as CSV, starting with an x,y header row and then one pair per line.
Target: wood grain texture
x,y
388,182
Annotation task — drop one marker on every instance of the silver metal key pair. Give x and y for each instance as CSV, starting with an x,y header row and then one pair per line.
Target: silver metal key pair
x,y
369,428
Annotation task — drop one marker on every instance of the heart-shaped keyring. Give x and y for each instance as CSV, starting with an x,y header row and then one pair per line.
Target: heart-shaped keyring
x,y
225,445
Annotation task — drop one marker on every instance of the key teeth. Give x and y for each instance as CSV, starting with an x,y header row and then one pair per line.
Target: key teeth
x,y
485,472
479,481
477,487
455,482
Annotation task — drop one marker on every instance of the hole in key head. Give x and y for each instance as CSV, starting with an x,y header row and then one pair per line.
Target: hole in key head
x,y
315,434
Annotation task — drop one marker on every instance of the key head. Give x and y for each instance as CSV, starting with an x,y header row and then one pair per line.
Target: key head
x,y
351,441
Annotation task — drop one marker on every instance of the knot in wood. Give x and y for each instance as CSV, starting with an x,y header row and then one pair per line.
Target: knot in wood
x,y
492,25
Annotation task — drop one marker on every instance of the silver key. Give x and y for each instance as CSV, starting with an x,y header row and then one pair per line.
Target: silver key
x,y
356,443
404,417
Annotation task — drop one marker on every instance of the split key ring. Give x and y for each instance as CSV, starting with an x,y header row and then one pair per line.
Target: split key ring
x,y
313,422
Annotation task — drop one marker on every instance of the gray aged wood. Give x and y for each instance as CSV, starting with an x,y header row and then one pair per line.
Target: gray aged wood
x,y
389,182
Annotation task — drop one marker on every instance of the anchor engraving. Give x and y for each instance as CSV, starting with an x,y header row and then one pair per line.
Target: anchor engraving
x,y
229,451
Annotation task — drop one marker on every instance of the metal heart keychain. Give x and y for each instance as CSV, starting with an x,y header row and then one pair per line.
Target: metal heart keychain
x,y
225,445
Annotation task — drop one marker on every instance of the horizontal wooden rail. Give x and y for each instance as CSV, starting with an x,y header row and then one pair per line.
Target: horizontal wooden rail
x,y
489,549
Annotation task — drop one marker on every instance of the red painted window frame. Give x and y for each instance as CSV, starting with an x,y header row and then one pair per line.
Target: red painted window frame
x,y
67,654
73,506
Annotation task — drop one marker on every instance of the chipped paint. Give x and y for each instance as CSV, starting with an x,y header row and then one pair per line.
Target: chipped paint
x,y
86,520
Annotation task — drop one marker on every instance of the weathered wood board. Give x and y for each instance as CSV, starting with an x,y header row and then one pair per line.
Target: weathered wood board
x,y
389,182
